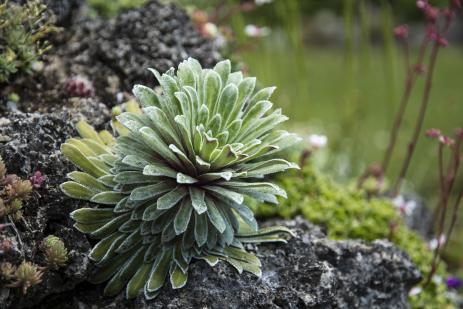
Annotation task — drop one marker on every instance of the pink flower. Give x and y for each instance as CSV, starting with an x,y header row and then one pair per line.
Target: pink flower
x,y
401,32
37,180
446,141
254,31
5,245
457,4
433,133
405,208
431,13
433,243
79,86
422,4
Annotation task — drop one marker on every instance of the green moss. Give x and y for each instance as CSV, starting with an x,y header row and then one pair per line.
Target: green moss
x,y
347,214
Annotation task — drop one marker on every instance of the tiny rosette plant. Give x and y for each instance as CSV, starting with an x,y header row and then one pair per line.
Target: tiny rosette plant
x,y
175,178
55,252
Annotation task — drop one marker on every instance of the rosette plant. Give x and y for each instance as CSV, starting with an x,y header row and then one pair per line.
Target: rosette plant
x,y
174,180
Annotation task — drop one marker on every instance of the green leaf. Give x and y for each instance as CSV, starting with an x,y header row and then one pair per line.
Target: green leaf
x,y
154,141
159,170
107,180
200,229
215,217
88,227
102,247
159,272
236,264
172,198
131,121
108,197
87,131
197,199
227,101
110,227
109,269
252,187
273,230
109,254
245,89
226,194
146,96
209,145
223,68
210,259
185,179
186,74
162,123
235,78
242,255
87,180
138,281
182,218
134,177
78,158
178,279
133,239
92,215
133,264
212,87
267,167
75,190
246,214
114,286
150,191
262,95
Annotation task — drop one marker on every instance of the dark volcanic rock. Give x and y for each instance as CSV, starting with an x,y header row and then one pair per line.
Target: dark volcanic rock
x,y
308,272
33,144
117,53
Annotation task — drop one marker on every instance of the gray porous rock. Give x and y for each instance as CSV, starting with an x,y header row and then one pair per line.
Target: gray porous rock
x,y
33,142
115,53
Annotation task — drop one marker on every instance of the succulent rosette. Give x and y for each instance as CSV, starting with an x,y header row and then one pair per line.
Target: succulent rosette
x,y
173,183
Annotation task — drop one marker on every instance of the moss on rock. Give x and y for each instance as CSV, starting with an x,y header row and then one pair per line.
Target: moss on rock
x,y
347,214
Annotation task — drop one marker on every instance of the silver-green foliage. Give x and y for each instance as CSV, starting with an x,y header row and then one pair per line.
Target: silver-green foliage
x,y
173,183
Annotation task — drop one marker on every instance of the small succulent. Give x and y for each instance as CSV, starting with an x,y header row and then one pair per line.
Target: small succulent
x,y
55,251
7,271
13,191
5,245
26,276
173,183
79,86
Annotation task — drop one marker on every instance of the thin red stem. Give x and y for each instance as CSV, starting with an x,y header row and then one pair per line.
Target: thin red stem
x,y
420,119
409,84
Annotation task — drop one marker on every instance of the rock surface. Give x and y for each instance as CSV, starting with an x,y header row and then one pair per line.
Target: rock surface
x,y
308,272
117,53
